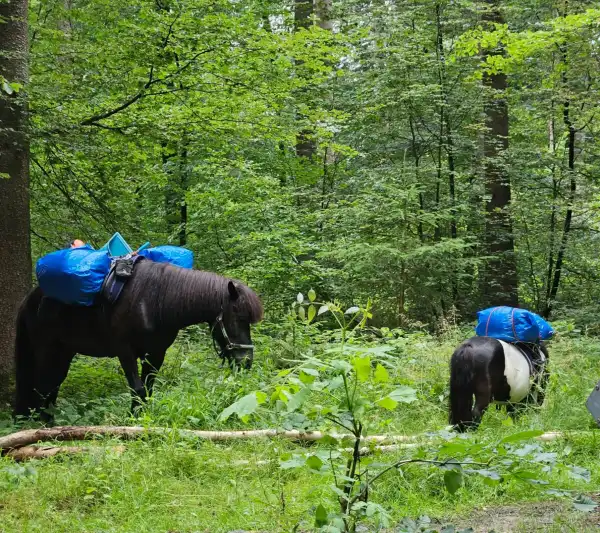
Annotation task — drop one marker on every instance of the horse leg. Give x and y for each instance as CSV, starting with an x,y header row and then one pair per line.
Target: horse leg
x,y
483,398
129,364
542,385
61,375
150,367
512,410
462,375
53,369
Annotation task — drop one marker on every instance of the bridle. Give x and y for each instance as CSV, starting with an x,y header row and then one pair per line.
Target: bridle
x,y
225,352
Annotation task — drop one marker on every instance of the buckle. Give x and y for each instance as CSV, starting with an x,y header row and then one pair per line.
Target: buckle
x,y
124,267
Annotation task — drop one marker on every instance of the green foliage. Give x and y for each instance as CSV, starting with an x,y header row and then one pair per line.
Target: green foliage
x,y
276,485
178,122
343,387
9,87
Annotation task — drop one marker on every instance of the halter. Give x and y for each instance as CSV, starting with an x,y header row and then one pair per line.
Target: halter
x,y
225,353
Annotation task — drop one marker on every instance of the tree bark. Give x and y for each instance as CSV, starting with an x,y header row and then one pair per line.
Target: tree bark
x,y
323,11
555,186
44,452
572,188
500,279
28,437
306,146
15,251
176,167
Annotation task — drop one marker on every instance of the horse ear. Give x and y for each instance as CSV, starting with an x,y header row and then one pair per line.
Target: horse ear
x,y
233,292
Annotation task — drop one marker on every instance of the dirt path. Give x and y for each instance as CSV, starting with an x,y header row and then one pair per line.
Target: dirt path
x,y
553,516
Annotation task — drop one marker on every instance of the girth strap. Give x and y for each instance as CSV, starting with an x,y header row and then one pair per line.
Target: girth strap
x,y
533,355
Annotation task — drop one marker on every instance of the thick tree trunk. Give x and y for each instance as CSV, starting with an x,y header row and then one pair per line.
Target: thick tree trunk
x,y
15,254
306,146
500,280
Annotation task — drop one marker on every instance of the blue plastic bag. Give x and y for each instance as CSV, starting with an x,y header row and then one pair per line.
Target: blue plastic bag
x,y
546,331
73,275
176,255
509,324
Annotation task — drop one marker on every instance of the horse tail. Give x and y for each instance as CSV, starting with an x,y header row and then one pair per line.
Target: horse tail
x,y
461,387
24,362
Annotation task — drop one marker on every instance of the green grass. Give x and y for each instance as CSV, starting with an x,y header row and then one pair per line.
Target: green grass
x,y
169,484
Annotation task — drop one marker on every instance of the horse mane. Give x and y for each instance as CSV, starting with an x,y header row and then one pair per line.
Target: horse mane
x,y
178,293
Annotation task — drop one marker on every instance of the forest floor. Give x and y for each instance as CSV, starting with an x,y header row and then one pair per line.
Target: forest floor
x,y
167,484
529,517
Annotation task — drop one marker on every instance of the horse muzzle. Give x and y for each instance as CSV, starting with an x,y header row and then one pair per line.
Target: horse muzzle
x,y
244,360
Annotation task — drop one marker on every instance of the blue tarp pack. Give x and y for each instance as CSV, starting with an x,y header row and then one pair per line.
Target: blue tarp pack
x,y
512,324
546,331
73,275
76,275
175,255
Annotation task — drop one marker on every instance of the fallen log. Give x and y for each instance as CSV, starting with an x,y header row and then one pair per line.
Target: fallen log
x,y
26,453
43,452
77,433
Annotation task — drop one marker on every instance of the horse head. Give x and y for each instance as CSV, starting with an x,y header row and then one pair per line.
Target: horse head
x,y
231,327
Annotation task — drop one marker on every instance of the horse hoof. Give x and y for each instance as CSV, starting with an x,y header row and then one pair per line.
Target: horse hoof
x,y
47,420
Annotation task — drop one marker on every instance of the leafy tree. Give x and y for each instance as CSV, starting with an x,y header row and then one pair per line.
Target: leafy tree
x,y
182,121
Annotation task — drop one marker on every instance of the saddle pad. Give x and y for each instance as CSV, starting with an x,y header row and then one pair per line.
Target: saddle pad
x,y
517,370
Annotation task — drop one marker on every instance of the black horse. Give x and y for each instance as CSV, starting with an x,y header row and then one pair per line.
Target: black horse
x,y
158,300
494,371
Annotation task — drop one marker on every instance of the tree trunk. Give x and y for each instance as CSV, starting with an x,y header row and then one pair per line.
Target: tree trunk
x,y
176,167
27,437
500,279
555,186
572,188
303,11
306,146
417,158
443,101
323,11
15,252
445,136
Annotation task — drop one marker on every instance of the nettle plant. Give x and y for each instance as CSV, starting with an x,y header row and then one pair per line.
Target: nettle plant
x,y
348,386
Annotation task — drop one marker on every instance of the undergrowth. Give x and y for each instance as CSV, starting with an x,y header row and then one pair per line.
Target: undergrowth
x,y
169,484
